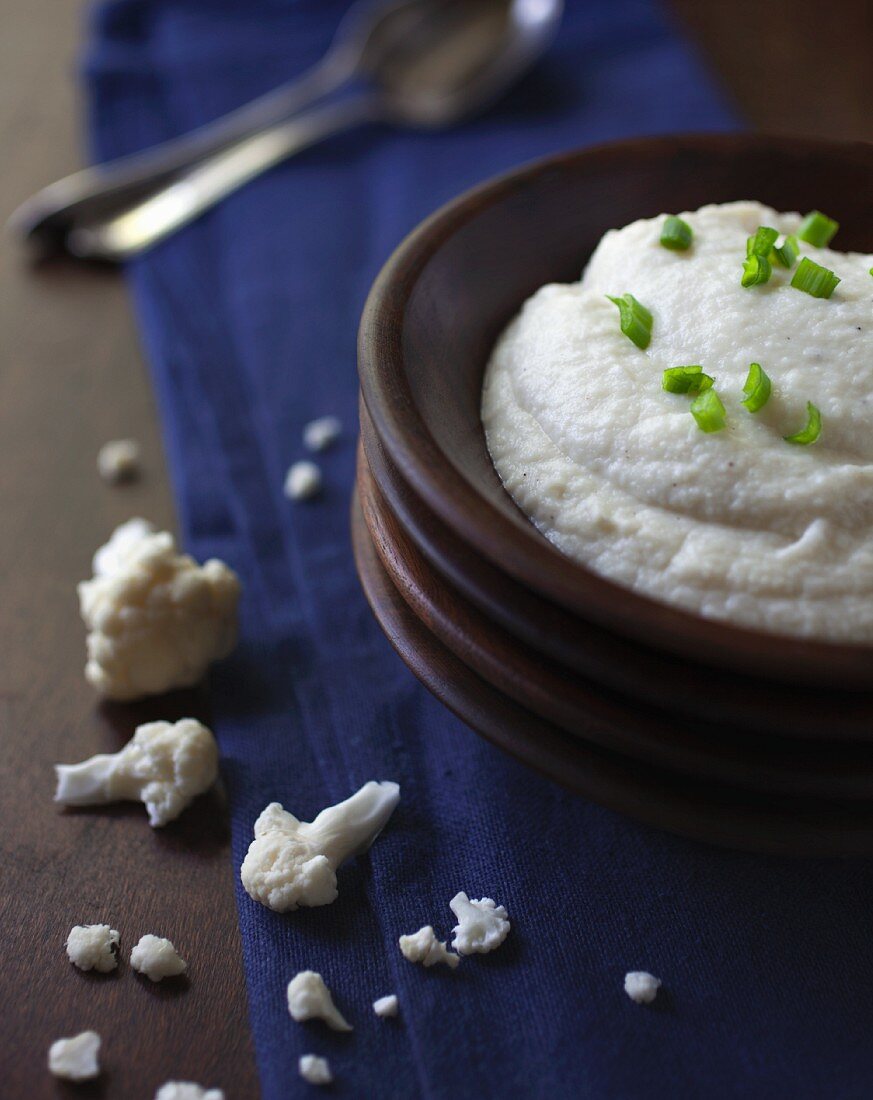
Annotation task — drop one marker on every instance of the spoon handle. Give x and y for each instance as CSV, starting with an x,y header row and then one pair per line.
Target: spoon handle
x,y
164,211
94,193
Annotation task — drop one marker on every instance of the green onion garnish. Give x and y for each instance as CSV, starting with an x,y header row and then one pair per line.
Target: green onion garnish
x,y
787,252
636,321
817,229
762,242
708,411
756,270
676,234
686,380
814,279
812,431
757,388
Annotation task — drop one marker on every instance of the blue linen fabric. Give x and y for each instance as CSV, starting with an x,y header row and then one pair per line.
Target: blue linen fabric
x,y
249,321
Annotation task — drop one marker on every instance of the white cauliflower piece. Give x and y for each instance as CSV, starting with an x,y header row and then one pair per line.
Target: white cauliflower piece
x,y
93,947
75,1059
319,434
156,957
481,926
303,481
164,765
641,986
156,619
293,863
315,1070
118,461
386,1006
310,999
423,947
187,1090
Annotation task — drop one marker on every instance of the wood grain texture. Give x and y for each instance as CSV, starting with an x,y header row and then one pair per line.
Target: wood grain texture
x,y
791,66
70,379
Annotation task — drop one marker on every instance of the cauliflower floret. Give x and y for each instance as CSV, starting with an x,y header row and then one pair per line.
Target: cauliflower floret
x,y
423,947
293,863
310,999
641,986
118,461
386,1006
320,434
155,618
93,947
187,1090
164,765
75,1059
315,1070
481,926
156,957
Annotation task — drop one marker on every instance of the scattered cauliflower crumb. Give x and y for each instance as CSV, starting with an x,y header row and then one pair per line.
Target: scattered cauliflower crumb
x,y
157,958
164,765
319,434
76,1058
303,481
315,1070
310,999
641,986
156,619
93,947
423,947
118,461
481,926
386,1006
187,1090
293,863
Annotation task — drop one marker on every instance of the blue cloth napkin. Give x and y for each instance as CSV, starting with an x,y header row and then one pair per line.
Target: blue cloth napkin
x,y
249,320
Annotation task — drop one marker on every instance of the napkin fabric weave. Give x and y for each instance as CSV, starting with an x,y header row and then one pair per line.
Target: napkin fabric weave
x,y
249,320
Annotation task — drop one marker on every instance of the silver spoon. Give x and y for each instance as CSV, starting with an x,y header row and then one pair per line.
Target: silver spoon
x,y
420,63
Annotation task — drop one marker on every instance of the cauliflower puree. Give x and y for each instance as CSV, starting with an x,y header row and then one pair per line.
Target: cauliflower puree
x,y
738,524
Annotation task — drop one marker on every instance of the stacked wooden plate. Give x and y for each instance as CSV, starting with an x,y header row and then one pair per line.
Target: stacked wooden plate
x,y
729,735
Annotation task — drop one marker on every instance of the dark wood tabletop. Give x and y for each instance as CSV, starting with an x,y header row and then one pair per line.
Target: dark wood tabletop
x,y
71,378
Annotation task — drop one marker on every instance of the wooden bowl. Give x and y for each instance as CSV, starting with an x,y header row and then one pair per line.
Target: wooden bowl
x,y
444,296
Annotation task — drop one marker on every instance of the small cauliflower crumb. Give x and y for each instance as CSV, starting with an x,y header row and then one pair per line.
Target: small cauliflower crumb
x,y
164,765
293,863
155,618
641,986
386,1006
156,957
315,1070
93,947
187,1090
75,1059
423,947
303,481
319,434
310,999
481,926
118,461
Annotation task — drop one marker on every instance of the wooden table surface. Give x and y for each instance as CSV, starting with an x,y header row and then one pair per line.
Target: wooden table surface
x,y
72,377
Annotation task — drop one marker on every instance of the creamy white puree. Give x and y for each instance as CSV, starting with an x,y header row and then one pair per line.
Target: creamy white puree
x,y
736,525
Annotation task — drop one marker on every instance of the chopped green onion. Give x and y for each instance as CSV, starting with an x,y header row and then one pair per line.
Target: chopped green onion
x,y
756,270
757,388
762,242
812,431
787,252
817,229
636,321
686,380
676,234
814,279
708,411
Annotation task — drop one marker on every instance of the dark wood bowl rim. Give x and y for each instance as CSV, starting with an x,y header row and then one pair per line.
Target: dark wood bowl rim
x,y
524,553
